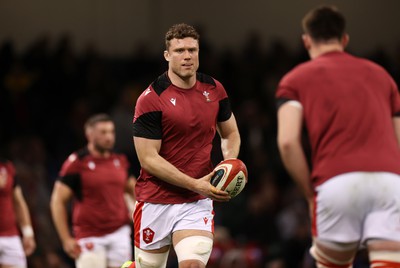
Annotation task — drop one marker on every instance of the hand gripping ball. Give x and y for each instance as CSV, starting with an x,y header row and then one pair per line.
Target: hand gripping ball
x,y
230,176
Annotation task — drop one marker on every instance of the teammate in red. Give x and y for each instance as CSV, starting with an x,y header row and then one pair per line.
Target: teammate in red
x,y
175,121
351,110
14,218
97,180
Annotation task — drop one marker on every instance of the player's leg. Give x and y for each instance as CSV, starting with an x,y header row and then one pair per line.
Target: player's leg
x,y
337,225
331,254
193,234
382,224
156,258
384,253
93,253
12,255
152,235
193,247
119,246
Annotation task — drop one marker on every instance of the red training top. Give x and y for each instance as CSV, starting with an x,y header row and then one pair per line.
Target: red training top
x,y
185,120
8,224
98,185
348,105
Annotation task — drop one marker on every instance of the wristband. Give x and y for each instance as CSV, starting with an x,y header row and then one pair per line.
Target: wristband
x,y
27,231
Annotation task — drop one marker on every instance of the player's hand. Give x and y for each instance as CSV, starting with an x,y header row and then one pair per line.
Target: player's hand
x,y
29,245
205,188
72,248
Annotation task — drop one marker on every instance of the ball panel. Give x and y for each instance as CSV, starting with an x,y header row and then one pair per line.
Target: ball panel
x,y
231,176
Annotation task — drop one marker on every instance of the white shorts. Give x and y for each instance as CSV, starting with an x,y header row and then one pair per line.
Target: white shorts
x,y
358,206
11,251
116,246
155,223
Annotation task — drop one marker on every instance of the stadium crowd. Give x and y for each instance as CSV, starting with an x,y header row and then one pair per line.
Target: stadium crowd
x,y
49,90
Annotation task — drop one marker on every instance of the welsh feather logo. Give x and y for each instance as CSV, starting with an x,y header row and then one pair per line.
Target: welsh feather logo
x,y
148,235
206,94
173,101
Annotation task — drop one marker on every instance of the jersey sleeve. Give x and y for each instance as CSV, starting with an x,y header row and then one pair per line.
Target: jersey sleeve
x,y
70,176
148,115
285,92
225,111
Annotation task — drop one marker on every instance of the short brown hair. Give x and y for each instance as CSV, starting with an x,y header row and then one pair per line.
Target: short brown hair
x,y
180,31
94,119
324,23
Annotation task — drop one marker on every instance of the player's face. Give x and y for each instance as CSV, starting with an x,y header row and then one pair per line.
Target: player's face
x,y
102,136
183,57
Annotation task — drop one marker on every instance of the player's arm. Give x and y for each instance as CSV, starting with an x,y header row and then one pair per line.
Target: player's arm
x,y
24,221
150,160
230,137
60,197
396,124
290,119
129,194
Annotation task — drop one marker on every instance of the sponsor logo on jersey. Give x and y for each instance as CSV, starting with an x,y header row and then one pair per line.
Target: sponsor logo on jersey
x,y
117,163
147,91
91,165
205,219
173,101
72,158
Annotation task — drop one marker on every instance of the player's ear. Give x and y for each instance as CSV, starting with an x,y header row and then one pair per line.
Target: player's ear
x,y
166,55
345,40
306,41
88,132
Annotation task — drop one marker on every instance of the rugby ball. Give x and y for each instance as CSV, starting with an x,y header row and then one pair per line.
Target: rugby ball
x,y
230,175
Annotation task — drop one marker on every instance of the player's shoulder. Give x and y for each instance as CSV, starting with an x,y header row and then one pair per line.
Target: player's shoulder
x,y
121,158
371,64
152,93
75,158
208,82
207,79
298,72
119,155
7,164
159,85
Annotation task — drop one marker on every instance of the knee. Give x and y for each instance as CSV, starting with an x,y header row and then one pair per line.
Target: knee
x,y
91,259
331,254
194,251
384,253
145,259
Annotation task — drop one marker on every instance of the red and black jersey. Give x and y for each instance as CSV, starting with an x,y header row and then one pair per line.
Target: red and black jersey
x,y
348,106
98,184
8,224
185,121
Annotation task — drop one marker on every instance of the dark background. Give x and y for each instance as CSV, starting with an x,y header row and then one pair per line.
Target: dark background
x,y
60,62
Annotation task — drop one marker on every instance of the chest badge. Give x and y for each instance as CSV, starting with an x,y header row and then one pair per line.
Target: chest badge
x,y
206,94
173,101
